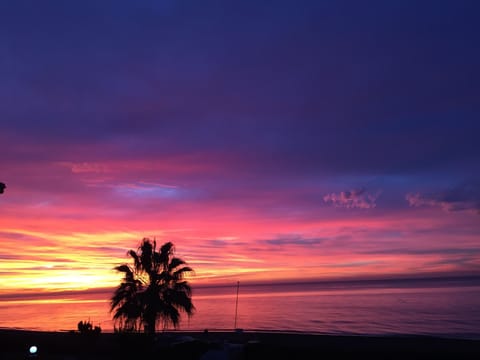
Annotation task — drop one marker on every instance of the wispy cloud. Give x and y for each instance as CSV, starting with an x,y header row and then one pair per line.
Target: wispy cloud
x,y
473,251
295,240
460,198
351,199
149,190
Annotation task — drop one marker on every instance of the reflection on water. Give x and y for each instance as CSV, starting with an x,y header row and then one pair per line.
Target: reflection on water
x,y
425,308
53,314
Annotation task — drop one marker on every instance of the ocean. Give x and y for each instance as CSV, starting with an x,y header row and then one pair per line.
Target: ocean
x,y
439,307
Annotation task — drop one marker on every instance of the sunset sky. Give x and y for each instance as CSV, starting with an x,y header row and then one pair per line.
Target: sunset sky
x,y
268,140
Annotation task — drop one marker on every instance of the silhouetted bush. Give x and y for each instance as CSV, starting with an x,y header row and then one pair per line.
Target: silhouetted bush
x,y
86,327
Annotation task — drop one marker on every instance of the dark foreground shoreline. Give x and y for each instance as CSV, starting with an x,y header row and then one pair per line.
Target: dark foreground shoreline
x,y
14,344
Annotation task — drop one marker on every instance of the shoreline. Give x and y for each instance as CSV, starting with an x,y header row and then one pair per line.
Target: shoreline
x,y
249,344
444,336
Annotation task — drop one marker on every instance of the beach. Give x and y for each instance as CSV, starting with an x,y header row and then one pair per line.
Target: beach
x,y
237,345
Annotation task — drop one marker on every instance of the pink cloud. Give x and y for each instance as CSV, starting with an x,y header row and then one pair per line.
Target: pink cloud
x,y
462,198
357,198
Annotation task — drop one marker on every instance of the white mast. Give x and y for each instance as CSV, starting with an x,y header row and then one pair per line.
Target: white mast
x,y
236,307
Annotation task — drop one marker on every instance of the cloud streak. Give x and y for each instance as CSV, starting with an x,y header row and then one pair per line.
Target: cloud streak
x,y
461,198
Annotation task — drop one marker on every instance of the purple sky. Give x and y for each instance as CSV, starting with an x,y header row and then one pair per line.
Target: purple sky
x,y
340,128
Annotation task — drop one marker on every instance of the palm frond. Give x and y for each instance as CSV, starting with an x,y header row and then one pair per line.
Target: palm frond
x,y
183,286
136,261
146,255
165,251
179,273
181,299
169,315
175,262
123,268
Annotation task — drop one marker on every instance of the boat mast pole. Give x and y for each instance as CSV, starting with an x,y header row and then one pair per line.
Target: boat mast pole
x,y
236,306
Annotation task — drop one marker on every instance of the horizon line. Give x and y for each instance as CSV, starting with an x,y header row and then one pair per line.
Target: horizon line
x,y
34,294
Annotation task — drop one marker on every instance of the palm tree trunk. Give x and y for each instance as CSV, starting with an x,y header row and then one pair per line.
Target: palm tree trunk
x,y
150,325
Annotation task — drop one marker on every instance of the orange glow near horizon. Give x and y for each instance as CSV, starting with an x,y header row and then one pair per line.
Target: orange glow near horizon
x,y
63,247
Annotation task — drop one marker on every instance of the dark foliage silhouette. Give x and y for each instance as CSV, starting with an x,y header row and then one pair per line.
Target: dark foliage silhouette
x,y
153,291
2,187
86,327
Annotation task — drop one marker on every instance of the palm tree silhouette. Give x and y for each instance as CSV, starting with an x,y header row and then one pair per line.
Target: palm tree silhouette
x,y
2,187
153,291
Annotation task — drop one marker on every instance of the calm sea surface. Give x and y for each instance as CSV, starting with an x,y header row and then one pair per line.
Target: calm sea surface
x,y
448,308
